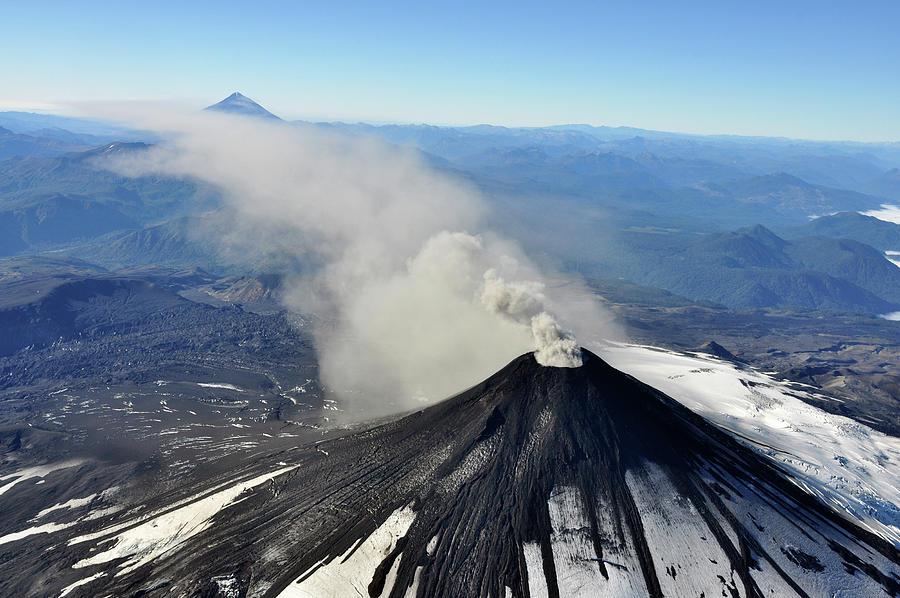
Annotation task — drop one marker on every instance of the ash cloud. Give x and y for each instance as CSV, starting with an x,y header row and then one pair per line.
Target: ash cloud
x,y
414,300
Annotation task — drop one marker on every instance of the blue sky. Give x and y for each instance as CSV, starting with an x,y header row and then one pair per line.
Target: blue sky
x,y
822,70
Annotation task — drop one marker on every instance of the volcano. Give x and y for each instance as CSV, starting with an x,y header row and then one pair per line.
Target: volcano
x,y
238,103
539,481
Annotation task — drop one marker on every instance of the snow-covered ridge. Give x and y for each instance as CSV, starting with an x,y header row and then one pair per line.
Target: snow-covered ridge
x,y
847,465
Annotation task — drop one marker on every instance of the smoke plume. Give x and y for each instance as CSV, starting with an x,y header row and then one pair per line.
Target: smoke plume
x,y
413,300
523,302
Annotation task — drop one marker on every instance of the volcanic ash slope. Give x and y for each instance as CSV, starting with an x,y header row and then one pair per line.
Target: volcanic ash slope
x,y
540,481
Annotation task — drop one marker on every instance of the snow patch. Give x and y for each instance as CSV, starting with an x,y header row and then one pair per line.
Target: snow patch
x,y
413,590
47,528
80,582
224,385
350,575
227,586
69,504
687,563
845,463
577,568
35,472
157,536
534,563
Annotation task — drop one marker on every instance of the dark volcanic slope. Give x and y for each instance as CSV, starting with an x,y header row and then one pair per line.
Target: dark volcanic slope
x,y
537,482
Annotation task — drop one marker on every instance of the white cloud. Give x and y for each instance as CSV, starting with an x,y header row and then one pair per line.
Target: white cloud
x,y
887,212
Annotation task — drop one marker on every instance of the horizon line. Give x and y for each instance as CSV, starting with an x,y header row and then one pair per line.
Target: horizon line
x,y
54,109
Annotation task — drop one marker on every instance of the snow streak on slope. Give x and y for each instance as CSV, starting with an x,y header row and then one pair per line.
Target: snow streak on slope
x,y
574,555
47,528
152,538
846,464
351,573
68,589
34,472
70,504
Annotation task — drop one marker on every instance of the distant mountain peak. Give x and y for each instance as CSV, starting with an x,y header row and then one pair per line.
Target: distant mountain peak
x,y
758,233
761,232
238,103
785,179
714,348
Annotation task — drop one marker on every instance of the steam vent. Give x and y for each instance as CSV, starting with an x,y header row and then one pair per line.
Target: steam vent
x,y
540,481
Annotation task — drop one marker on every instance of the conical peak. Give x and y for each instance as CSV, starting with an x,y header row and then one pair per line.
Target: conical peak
x,y
238,103
525,376
527,364
563,412
584,405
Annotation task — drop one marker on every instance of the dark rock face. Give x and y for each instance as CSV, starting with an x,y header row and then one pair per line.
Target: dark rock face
x,y
717,350
537,482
